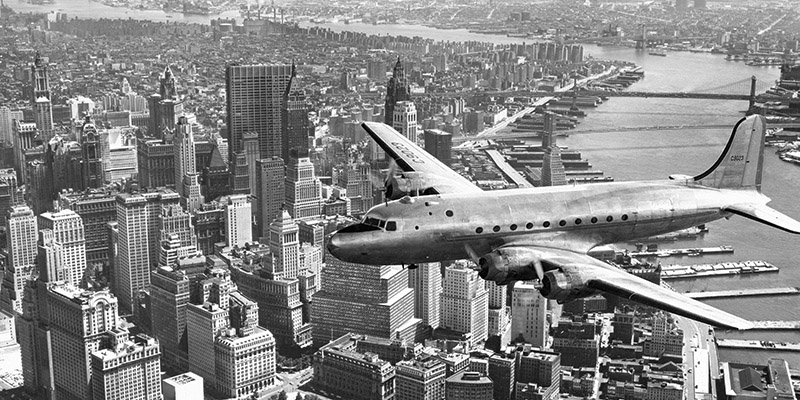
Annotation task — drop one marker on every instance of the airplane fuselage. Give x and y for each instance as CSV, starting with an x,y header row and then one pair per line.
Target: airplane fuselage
x,y
451,226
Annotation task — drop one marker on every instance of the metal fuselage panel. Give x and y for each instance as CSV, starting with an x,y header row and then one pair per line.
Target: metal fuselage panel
x,y
442,227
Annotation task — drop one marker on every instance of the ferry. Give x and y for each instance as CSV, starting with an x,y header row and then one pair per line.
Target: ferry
x,y
792,156
658,52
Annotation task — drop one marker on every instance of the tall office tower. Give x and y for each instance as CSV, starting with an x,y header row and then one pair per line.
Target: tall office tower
x,y
667,337
77,321
528,315
240,174
352,374
439,144
552,166
296,128
367,299
578,342
39,181
156,161
499,312
420,379
284,246
622,325
96,208
129,369
184,154
245,355
215,177
396,90
191,186
8,192
62,247
25,138
139,240
303,190
186,386
41,100
63,160
173,220
405,119
541,368
165,107
251,151
254,103
6,121
92,158
21,231
238,217
170,290
465,303
270,191
469,386
502,371
204,322
426,280
356,178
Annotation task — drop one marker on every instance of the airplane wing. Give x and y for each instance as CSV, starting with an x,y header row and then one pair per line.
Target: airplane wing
x,y
409,157
608,278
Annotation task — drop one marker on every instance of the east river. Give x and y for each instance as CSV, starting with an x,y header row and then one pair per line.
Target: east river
x,y
634,155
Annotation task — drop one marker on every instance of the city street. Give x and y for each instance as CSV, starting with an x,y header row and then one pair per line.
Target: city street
x,y
696,336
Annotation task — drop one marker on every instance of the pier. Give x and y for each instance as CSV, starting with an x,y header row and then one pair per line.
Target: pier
x,y
508,170
696,251
757,345
777,325
718,269
721,294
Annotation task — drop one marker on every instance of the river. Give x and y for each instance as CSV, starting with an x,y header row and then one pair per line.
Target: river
x,y
634,155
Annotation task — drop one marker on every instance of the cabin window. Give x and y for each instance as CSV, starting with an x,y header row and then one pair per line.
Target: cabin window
x,y
546,224
449,213
391,225
529,225
513,227
496,228
578,221
609,218
479,230
624,217
562,223
594,220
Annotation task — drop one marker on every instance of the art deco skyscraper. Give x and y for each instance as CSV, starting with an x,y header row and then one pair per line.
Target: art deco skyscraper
x,y
303,189
396,90
426,280
465,303
284,246
93,176
528,315
21,231
552,166
254,97
296,128
184,152
165,107
62,247
41,101
270,191
238,226
405,119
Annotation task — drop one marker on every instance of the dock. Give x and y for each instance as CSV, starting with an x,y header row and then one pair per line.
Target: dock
x,y
757,345
720,294
695,251
508,170
777,325
718,269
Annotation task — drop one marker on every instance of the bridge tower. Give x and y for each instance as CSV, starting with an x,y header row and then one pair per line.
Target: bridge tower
x,y
641,42
752,92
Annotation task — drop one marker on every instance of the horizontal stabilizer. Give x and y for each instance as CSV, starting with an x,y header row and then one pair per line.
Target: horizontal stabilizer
x,y
765,215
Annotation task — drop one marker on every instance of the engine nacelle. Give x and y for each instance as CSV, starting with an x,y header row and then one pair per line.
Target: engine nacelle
x,y
506,265
565,285
407,183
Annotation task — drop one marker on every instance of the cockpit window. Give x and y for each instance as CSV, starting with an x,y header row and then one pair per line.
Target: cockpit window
x,y
391,226
380,223
371,221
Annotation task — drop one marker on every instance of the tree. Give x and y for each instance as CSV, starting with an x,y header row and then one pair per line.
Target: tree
x,y
299,396
282,395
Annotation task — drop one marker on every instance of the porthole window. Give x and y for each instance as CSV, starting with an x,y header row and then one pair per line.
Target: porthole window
x,y
479,230
496,228
624,217
578,221
513,227
449,213
546,224
594,220
529,225
609,218
562,223
416,227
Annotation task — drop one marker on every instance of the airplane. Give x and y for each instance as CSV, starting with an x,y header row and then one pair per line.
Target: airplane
x,y
544,233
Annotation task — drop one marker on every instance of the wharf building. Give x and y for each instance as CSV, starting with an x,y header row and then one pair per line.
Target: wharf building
x,y
578,343
464,304
21,233
367,299
745,381
422,378
282,278
528,315
62,247
426,280
469,386
397,89
352,374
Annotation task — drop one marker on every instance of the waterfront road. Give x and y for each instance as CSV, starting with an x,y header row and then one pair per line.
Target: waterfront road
x,y
698,336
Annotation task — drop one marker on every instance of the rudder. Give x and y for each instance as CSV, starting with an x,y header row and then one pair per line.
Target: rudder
x,y
741,163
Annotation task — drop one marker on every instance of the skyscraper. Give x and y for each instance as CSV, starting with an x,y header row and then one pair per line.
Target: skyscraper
x,y
62,247
303,190
238,226
469,386
21,231
216,177
184,154
465,303
439,144
254,97
93,176
542,368
357,179
405,119
420,379
130,368
502,373
240,174
296,128
96,208
397,89
426,280
165,107
41,100
528,315
552,165
499,312
270,191
6,133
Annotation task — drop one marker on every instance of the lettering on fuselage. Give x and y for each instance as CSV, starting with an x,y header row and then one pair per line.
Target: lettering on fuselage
x,y
737,158
412,156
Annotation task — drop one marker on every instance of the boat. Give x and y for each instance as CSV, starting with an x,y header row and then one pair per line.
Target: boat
x,y
792,156
658,52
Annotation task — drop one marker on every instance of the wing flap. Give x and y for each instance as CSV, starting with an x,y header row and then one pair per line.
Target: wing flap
x,y
766,215
410,157
610,279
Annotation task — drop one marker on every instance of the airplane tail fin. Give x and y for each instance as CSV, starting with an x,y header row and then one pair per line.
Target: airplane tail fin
x,y
740,165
